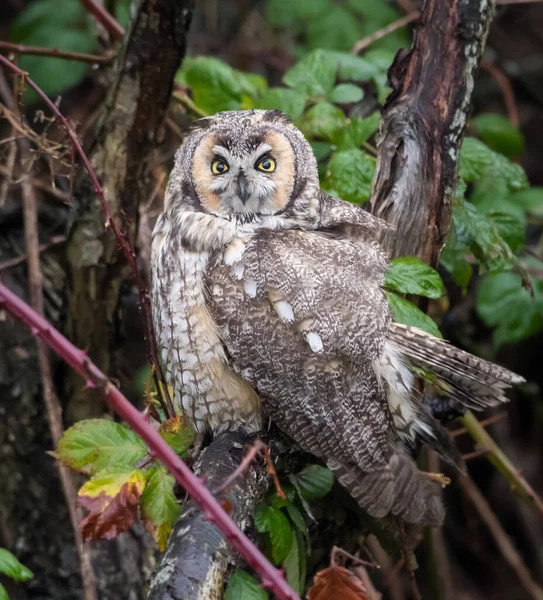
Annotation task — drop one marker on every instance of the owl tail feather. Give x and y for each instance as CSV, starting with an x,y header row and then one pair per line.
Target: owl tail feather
x,y
397,489
471,381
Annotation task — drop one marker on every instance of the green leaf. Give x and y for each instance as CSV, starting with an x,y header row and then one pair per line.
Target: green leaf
x,y
314,75
67,24
216,86
478,160
3,593
321,150
122,12
355,132
350,172
178,433
313,482
298,521
269,519
344,93
345,31
530,200
409,275
291,565
244,587
505,305
355,68
511,230
95,444
290,102
322,120
497,132
407,313
454,261
159,506
12,568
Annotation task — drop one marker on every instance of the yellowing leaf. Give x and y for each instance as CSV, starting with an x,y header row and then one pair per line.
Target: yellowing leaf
x,y
159,506
96,444
337,583
112,500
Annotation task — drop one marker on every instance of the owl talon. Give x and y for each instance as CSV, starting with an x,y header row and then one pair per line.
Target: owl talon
x,y
442,479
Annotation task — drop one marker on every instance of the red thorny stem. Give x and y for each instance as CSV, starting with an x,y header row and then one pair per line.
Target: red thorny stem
x,y
124,244
271,577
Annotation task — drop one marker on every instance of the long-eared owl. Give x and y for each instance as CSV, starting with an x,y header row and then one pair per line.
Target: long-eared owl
x,y
268,302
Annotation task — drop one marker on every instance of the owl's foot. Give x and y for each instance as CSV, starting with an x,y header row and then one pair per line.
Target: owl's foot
x,y
440,478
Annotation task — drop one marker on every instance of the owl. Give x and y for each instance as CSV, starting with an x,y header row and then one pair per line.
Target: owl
x,y
268,303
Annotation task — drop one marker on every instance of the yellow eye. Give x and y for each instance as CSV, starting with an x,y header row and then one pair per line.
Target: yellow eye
x,y
266,164
218,167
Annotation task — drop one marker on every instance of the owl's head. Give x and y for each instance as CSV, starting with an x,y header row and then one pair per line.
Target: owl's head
x,y
243,163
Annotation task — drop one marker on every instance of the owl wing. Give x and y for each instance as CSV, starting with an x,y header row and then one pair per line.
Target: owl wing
x,y
303,319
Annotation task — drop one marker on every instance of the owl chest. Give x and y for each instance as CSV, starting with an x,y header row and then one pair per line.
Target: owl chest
x,y
206,389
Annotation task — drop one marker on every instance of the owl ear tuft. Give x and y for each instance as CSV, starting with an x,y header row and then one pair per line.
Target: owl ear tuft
x,y
198,125
276,115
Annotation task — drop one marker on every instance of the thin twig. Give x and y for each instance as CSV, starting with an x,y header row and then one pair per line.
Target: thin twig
x,y
504,543
108,21
271,577
17,260
336,550
95,59
39,184
507,90
498,458
484,423
479,453
381,33
144,301
390,572
185,100
506,2
406,551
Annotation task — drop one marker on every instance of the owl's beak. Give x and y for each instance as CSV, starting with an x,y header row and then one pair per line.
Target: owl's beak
x,y
243,193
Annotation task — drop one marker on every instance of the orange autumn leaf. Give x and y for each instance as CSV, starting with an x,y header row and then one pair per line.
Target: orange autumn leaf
x,y
337,583
112,500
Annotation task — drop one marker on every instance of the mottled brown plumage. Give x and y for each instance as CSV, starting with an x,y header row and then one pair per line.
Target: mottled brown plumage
x,y
268,302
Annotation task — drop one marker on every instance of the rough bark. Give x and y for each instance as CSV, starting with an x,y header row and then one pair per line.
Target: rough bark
x,y
423,124
198,556
130,128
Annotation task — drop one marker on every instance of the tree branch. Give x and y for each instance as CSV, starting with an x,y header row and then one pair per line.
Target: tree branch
x,y
105,18
423,125
94,59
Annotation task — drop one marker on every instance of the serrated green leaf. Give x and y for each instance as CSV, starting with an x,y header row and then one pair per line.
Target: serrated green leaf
x,y
271,520
497,132
298,521
68,24
355,132
314,75
350,172
159,506
344,93
453,259
511,229
505,305
178,433
216,86
291,565
355,68
95,444
409,275
478,160
288,101
345,32
314,481
530,200
12,568
407,313
243,586
321,150
322,120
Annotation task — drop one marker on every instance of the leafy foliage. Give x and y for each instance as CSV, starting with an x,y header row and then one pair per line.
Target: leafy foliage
x,y
12,568
64,21
243,586
125,482
409,275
